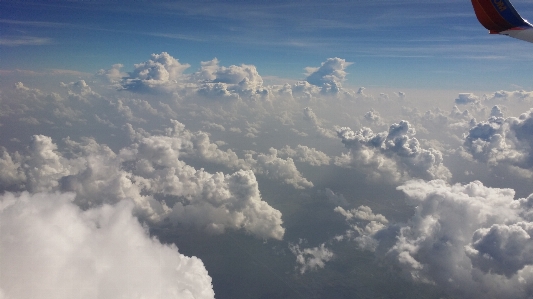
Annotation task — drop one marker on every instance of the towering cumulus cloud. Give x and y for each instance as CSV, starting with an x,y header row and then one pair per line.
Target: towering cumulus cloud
x,y
505,142
161,71
329,75
394,155
471,239
243,80
52,249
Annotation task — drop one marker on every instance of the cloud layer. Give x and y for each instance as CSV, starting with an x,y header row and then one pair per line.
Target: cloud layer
x,y
216,152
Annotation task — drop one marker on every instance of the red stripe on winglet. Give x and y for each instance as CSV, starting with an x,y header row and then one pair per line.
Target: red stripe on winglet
x,y
489,17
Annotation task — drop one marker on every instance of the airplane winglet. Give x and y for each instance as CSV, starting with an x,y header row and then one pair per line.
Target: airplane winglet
x,y
500,17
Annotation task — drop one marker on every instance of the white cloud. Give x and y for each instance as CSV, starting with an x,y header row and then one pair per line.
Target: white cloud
x,y
469,239
305,154
278,168
147,170
44,166
311,258
52,249
329,75
24,41
502,249
361,213
373,117
394,155
304,91
466,98
508,96
503,142
112,75
162,71
311,117
237,81
199,145
11,174
213,126
364,226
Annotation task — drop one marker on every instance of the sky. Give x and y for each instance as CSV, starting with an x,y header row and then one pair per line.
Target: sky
x,y
252,149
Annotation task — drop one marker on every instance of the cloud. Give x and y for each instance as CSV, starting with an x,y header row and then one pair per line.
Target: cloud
x,y
361,213
502,249
112,75
144,172
304,91
25,41
278,168
311,117
237,82
466,98
508,96
165,74
365,226
469,239
311,258
329,75
199,145
338,200
142,145
504,142
162,71
373,117
394,155
11,174
53,249
305,154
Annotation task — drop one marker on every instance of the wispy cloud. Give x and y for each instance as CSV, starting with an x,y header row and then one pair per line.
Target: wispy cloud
x,y
25,41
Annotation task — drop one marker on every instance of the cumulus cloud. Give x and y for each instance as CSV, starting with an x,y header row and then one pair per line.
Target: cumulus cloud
x,y
112,75
311,117
143,172
466,98
311,258
394,155
12,174
361,213
329,75
470,239
52,249
505,142
164,73
305,154
198,144
364,225
509,96
502,249
278,168
161,71
373,117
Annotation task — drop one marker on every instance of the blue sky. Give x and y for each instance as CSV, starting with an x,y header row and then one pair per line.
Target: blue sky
x,y
398,44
